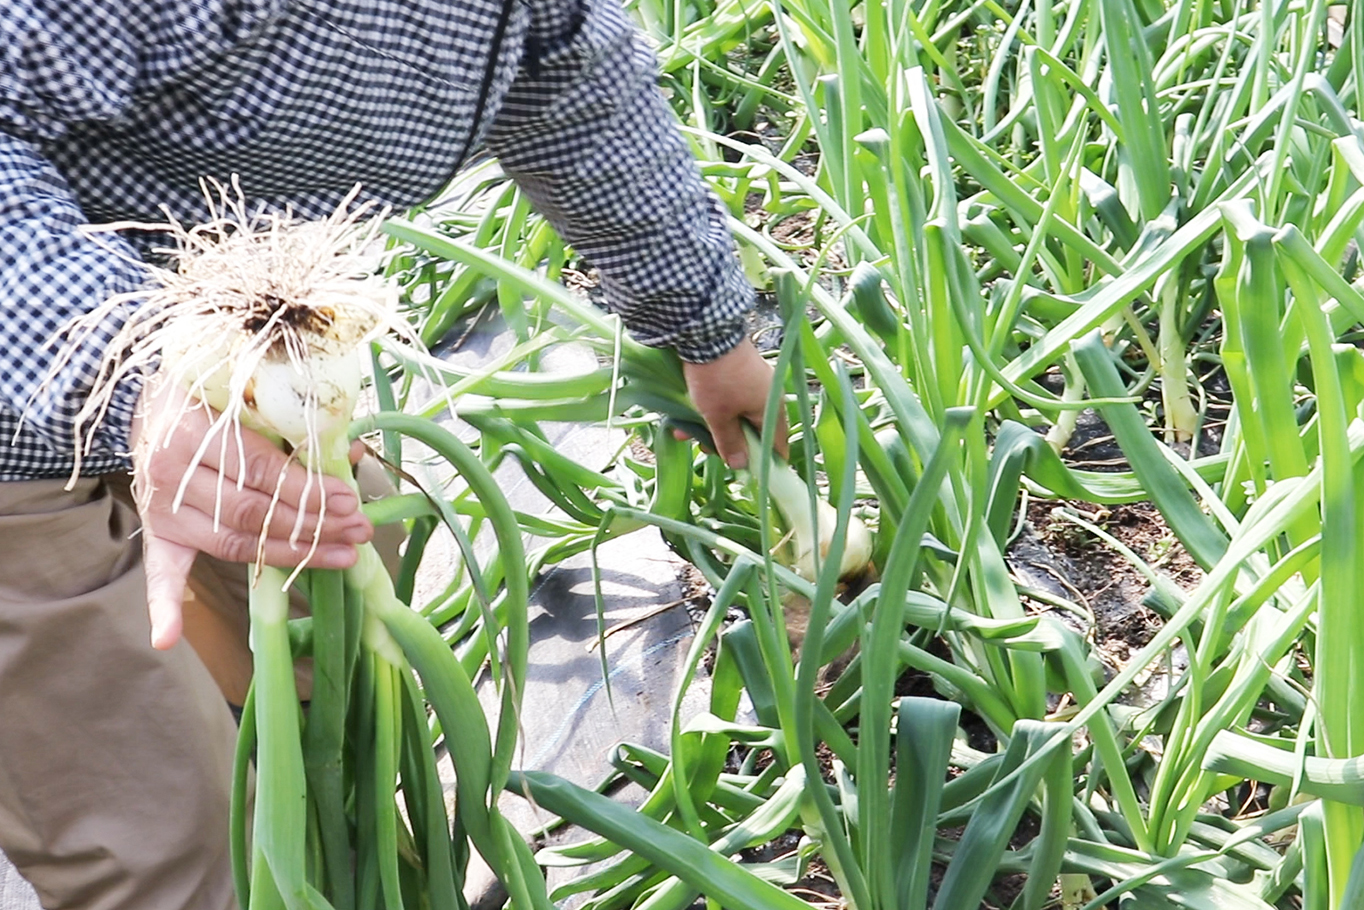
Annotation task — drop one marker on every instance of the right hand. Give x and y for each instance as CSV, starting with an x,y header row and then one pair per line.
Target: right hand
x,y
732,390
166,435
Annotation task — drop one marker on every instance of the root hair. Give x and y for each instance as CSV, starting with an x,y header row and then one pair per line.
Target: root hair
x,y
248,287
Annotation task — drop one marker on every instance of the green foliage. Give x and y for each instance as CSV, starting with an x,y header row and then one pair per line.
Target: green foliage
x,y
991,217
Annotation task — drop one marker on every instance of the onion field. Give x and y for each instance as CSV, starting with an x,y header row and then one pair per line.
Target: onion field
x,y
998,236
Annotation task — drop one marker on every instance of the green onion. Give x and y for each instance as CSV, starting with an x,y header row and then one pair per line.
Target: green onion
x,y
811,536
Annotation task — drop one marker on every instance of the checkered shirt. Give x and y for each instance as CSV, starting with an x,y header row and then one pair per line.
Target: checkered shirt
x,y
110,109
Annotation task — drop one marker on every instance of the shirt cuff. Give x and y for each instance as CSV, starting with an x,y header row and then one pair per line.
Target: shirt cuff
x,y
716,327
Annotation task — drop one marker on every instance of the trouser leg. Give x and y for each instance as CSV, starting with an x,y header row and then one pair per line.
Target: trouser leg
x,y
115,759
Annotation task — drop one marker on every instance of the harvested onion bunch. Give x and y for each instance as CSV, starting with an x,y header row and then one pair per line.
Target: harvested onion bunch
x,y
268,320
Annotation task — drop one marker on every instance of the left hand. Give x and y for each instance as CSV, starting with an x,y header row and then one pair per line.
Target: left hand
x,y
731,389
217,516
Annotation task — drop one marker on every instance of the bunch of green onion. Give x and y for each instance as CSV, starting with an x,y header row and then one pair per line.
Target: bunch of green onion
x,y
266,319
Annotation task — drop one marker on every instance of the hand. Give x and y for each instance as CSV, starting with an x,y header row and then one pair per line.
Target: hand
x,y
166,436
731,389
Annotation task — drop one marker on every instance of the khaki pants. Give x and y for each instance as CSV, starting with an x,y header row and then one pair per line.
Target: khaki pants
x,y
115,759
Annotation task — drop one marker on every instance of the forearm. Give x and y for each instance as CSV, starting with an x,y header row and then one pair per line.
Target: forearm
x,y
586,133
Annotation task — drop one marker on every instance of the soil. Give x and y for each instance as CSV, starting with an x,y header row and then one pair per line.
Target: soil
x,y
1059,557
696,591
1092,447
639,451
816,886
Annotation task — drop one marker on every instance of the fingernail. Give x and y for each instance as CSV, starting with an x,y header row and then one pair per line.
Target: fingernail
x,y
337,558
342,503
737,462
361,533
163,638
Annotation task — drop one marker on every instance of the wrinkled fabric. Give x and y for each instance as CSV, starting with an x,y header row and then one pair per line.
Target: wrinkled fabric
x,y
112,109
115,759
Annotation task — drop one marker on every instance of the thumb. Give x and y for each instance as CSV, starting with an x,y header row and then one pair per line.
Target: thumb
x,y
167,566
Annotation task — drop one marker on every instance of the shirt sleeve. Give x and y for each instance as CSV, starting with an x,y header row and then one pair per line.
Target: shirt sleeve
x,y
49,271
586,133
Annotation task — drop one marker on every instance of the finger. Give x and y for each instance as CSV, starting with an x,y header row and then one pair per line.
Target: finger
x,y
194,529
246,510
683,436
730,442
780,444
259,464
358,450
167,566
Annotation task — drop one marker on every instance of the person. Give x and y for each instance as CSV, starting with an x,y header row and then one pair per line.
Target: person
x,y
114,755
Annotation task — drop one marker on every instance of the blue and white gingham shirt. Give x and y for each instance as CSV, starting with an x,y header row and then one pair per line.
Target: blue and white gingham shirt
x,y
111,108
